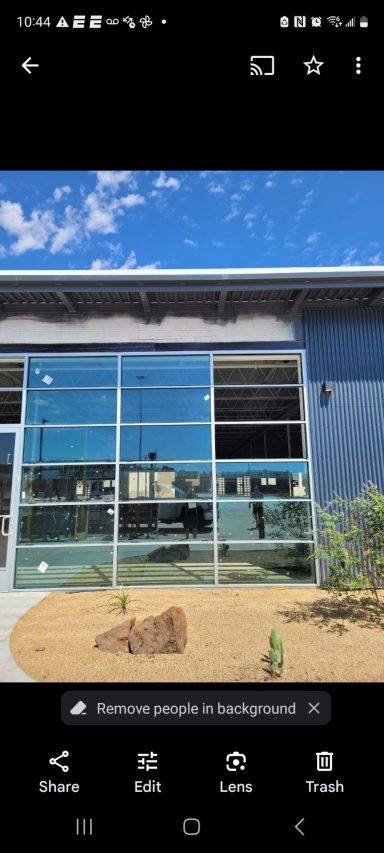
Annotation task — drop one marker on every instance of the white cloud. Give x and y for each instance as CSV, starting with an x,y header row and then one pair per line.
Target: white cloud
x,y
3,187
216,188
349,257
249,220
59,192
290,245
218,243
269,184
376,259
101,214
99,264
236,197
296,182
69,231
313,238
214,172
189,222
162,182
3,251
246,186
129,264
132,200
309,194
31,234
269,236
111,180
234,211
191,243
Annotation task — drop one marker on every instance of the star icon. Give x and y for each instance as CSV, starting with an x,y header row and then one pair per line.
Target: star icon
x,y
313,66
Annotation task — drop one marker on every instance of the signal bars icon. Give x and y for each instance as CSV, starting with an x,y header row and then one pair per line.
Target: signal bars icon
x,y
351,23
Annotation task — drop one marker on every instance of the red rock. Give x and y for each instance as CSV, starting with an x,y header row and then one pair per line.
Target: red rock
x,y
115,640
163,634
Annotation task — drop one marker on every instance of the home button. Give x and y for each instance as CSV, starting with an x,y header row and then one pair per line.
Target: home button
x,y
191,826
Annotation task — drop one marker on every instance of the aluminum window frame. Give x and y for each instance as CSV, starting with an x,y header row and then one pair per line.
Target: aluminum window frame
x,y
19,463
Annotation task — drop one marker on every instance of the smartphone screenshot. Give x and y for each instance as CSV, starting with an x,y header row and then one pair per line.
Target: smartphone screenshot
x,y
191,410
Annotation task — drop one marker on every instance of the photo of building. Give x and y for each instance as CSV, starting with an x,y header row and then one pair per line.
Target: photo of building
x,y
178,427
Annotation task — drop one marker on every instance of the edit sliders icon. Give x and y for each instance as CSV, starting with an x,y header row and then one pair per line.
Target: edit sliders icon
x,y
262,66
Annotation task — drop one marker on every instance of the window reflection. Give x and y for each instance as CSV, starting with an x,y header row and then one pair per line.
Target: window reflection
x,y
277,479
67,444
174,521
166,405
266,563
65,523
183,563
166,370
71,407
165,442
261,519
70,566
165,481
68,483
72,372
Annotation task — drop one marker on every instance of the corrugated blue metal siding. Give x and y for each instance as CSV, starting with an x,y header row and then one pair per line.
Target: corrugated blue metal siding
x,y
347,426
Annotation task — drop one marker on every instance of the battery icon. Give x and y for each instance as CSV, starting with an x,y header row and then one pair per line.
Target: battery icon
x,y
363,22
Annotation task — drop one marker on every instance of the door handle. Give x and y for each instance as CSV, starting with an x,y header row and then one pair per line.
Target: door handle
x,y
3,520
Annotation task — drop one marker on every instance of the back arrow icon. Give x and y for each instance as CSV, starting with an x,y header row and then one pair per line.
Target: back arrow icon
x,y
297,825
27,65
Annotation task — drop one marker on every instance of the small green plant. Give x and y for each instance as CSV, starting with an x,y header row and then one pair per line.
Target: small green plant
x,y
120,601
276,652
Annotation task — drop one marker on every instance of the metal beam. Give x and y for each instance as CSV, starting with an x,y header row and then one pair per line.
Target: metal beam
x,y
376,298
66,302
145,304
221,303
299,299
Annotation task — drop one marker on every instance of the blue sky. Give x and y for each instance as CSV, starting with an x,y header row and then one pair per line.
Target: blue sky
x,y
133,220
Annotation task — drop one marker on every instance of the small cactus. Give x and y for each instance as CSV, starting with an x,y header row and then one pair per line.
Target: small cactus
x,y
276,652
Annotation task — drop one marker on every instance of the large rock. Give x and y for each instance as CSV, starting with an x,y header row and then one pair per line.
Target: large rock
x,y
115,640
161,634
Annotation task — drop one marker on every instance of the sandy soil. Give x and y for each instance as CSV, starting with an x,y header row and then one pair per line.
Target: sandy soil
x,y
228,637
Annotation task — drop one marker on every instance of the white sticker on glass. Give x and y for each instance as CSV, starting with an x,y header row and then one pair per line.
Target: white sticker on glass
x,y
37,371
111,511
42,567
47,379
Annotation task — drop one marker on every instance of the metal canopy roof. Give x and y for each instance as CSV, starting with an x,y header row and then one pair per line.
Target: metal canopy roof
x,y
218,292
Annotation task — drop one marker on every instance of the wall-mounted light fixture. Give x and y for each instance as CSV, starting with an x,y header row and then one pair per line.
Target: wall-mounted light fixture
x,y
327,387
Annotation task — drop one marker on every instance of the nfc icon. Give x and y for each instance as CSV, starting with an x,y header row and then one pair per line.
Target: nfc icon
x,y
263,66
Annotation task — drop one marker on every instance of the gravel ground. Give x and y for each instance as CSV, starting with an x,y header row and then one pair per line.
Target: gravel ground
x,y
228,637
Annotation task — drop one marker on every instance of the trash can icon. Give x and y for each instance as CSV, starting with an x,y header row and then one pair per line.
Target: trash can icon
x,y
324,760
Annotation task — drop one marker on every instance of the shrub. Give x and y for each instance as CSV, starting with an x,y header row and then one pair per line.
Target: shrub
x,y
350,538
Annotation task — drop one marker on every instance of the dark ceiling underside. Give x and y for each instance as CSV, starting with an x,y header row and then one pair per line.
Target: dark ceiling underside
x,y
225,304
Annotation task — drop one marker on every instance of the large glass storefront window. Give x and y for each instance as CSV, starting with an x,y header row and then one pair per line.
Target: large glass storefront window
x,y
127,480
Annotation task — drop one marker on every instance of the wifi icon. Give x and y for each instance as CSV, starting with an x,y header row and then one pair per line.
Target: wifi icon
x,y
262,66
335,21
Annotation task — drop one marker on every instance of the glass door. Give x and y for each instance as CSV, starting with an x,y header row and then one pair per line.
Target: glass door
x,y
8,444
